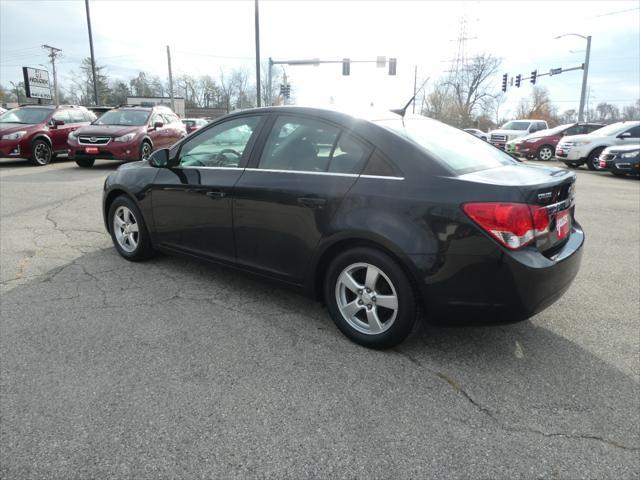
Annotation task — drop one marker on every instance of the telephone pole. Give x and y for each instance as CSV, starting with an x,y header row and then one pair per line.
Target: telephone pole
x,y
53,53
93,58
173,107
257,18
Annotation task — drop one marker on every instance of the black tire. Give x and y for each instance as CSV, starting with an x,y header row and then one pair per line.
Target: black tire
x,y
545,153
592,160
85,162
145,150
41,153
392,280
143,249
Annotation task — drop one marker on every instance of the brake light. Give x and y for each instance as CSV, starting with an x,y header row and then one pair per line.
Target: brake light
x,y
514,225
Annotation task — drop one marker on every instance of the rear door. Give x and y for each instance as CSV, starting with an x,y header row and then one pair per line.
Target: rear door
x,y
192,202
159,136
285,200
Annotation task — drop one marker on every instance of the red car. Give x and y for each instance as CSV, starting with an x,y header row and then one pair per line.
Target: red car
x,y
39,132
542,144
126,133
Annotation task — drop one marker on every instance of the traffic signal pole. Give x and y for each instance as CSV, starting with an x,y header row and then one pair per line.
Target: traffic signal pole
x,y
584,80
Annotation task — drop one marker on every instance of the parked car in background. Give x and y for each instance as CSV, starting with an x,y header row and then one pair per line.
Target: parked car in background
x,y
477,133
542,144
100,110
39,132
2,110
125,133
515,129
193,124
576,150
336,205
621,160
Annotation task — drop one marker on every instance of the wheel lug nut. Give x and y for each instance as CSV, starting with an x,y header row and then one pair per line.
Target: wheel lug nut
x,y
373,299
360,302
368,290
369,307
359,292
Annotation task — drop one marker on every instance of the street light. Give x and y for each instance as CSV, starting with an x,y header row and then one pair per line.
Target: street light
x,y
585,71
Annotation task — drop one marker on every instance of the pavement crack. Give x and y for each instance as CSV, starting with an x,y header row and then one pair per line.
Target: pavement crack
x,y
497,421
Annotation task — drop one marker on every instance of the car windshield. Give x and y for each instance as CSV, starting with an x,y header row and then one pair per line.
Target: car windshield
x,y
25,115
611,130
124,117
461,152
516,126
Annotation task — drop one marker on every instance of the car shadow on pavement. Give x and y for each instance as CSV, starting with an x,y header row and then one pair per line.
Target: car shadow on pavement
x,y
108,363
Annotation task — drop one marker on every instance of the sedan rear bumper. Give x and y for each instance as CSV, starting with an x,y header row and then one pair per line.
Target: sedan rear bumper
x,y
502,288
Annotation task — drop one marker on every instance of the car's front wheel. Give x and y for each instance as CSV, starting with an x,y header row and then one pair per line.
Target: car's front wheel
x,y
41,153
545,153
370,298
593,161
85,162
145,150
128,230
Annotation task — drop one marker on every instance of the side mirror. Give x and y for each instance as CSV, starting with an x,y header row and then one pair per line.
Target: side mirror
x,y
159,158
56,123
624,135
158,125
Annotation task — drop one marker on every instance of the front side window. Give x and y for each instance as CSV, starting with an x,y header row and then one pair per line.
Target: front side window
x,y
25,115
127,118
219,146
516,126
635,132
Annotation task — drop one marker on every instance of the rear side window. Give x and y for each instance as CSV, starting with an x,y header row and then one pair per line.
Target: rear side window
x,y
635,132
76,116
381,166
348,156
62,115
461,152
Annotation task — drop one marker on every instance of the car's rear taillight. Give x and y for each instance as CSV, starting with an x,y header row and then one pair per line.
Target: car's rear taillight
x,y
514,225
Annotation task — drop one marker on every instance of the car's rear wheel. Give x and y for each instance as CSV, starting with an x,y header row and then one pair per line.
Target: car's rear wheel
x,y
593,163
128,230
85,162
370,298
41,153
545,153
145,150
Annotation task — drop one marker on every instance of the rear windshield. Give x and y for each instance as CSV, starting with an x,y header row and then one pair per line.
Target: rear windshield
x,y
123,117
461,152
25,115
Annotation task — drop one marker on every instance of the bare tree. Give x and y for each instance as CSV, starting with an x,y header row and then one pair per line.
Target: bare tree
x,y
631,112
538,106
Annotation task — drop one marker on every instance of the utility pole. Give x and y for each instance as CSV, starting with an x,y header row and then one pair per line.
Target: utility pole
x,y
258,99
53,53
269,80
173,107
284,93
585,72
415,85
93,58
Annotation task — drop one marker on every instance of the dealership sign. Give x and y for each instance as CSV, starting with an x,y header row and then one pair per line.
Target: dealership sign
x,y
36,83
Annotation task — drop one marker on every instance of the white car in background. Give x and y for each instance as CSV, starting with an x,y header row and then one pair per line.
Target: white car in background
x,y
575,150
477,133
515,129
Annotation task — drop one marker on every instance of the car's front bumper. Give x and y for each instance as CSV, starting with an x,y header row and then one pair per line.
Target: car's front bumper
x,y
501,288
570,154
111,151
13,148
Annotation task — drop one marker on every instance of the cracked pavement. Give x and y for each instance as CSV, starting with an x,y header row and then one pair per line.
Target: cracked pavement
x,y
178,369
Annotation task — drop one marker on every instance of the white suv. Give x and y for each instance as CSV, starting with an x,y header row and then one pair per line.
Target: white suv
x,y
575,150
515,129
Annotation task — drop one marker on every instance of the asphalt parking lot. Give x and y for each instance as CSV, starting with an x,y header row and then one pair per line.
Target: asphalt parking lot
x,y
178,369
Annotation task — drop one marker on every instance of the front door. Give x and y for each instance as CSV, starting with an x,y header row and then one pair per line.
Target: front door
x,y
59,133
192,201
285,202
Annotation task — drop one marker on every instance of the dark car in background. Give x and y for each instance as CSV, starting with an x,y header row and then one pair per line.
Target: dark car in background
x,y
621,160
125,133
193,124
39,132
375,214
542,144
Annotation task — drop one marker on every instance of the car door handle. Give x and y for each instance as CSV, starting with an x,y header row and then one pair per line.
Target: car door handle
x,y
313,202
215,194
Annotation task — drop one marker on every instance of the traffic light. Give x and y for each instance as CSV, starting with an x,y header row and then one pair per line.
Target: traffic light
x,y
534,74
504,82
392,66
282,89
287,91
518,80
346,66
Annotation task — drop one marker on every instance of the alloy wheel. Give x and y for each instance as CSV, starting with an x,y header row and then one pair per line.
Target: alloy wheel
x,y
366,298
126,229
42,153
146,151
545,153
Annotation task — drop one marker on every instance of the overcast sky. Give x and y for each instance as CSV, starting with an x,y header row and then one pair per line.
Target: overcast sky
x,y
204,36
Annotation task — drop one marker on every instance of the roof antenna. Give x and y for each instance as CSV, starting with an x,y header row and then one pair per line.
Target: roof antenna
x,y
402,111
